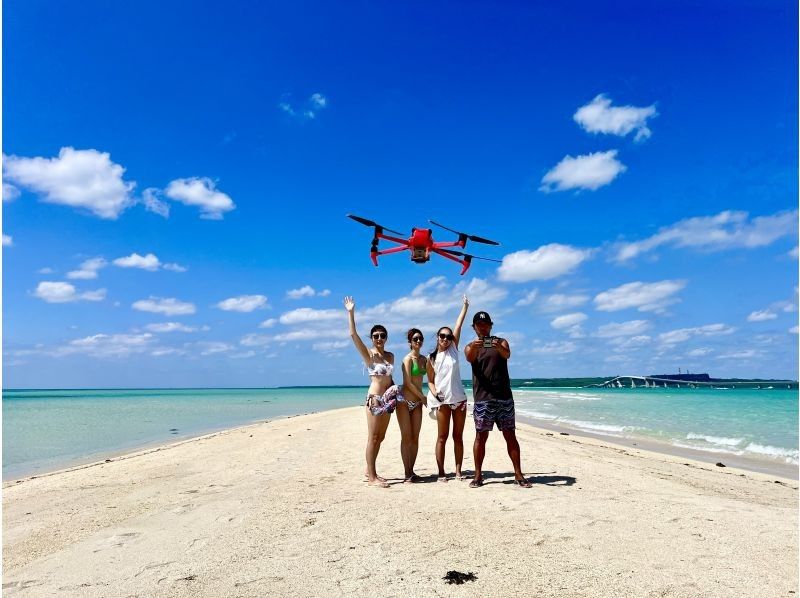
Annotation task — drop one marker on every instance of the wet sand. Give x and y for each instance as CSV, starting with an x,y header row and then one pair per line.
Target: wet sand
x,y
281,508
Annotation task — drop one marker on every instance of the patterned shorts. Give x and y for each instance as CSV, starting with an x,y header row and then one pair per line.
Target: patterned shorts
x,y
385,403
489,413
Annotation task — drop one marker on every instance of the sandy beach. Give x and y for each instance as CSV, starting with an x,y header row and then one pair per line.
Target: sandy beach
x,y
281,509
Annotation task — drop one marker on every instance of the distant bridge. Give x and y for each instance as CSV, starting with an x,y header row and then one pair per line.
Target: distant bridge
x,y
661,382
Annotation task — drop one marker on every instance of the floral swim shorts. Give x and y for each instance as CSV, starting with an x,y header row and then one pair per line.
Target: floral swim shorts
x,y
385,403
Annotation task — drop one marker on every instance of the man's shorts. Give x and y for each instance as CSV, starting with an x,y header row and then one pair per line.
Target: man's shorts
x,y
489,413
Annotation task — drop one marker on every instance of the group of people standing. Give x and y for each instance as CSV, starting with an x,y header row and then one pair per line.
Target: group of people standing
x,y
493,401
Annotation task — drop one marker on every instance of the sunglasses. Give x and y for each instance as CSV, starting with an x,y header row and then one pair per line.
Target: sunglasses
x,y
417,339
379,335
446,337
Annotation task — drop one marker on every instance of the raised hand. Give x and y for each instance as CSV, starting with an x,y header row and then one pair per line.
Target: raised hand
x,y
349,304
466,301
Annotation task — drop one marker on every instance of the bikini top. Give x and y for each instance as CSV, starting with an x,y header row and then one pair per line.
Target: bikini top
x,y
380,369
416,368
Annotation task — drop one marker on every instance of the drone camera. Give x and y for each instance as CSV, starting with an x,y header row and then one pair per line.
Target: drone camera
x,y
419,255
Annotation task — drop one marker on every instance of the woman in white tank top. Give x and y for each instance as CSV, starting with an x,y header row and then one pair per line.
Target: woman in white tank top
x,y
446,396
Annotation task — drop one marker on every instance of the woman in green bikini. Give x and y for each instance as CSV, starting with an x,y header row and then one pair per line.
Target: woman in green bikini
x,y
409,412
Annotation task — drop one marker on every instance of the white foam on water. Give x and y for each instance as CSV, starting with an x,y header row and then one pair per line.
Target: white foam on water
x,y
718,440
536,414
555,395
594,427
705,449
789,455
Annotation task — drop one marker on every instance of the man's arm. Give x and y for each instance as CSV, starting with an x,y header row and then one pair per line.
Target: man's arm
x,y
472,348
502,347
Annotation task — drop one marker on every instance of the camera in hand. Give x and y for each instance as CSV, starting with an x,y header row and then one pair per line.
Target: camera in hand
x,y
487,342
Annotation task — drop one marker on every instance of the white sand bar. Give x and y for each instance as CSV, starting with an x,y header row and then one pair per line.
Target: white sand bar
x,y
281,509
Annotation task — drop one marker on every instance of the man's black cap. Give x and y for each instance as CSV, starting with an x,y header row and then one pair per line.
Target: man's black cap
x,y
481,318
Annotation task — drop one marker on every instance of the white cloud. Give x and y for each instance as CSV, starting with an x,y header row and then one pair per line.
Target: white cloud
x,y
304,315
743,354
168,307
243,303
560,302
45,270
305,291
324,292
549,261
10,192
144,262
761,316
109,345
171,327
63,292
255,340
653,296
793,330
598,116
149,262
306,334
88,269
152,203
309,110
83,179
172,267
529,298
269,323
624,343
699,352
684,334
555,348
317,100
202,193
793,252
568,320
617,329
590,171
330,346
8,240
213,347
726,230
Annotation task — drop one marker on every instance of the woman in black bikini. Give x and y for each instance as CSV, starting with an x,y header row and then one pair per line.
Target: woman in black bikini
x,y
409,413
383,393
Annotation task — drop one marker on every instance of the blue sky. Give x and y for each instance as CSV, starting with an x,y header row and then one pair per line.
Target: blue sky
x,y
176,180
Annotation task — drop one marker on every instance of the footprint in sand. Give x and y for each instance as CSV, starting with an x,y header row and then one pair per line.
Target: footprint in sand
x,y
117,540
11,587
180,510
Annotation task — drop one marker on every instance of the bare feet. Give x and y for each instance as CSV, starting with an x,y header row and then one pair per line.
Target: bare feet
x,y
522,483
379,483
412,479
442,478
377,477
460,476
476,483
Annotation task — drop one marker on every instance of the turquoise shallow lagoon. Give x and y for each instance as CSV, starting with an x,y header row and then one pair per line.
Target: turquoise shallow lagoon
x,y
745,422
44,430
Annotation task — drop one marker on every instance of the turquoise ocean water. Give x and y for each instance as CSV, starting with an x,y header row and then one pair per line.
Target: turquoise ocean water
x,y
44,430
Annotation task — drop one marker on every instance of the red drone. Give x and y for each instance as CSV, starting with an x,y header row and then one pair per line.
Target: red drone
x,y
421,244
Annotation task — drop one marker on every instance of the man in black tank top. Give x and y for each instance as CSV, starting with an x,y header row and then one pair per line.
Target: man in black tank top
x,y
494,402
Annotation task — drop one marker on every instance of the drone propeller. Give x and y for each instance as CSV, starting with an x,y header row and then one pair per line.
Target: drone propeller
x,y
472,257
465,235
366,222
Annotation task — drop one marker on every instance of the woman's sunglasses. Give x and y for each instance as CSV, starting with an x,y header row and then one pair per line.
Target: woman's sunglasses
x,y
417,339
379,335
446,337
